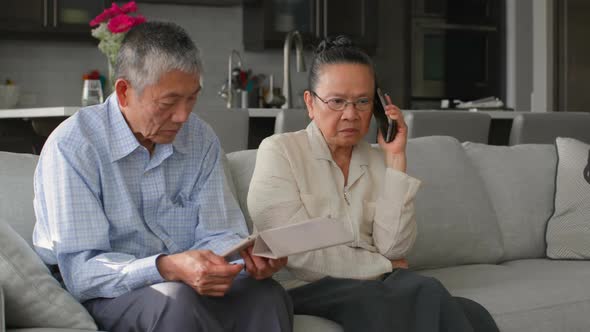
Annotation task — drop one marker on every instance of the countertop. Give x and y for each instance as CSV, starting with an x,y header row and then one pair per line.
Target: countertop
x,y
38,112
494,114
47,112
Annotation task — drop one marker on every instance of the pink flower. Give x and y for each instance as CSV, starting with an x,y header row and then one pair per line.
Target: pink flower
x,y
121,23
100,18
115,10
138,20
117,19
107,14
129,7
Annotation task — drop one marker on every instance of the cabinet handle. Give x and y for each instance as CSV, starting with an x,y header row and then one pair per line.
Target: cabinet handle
x,y
45,13
55,4
325,18
465,27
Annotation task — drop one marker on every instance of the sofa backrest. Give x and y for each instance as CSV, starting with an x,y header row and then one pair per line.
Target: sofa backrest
x,y
520,181
477,204
456,221
16,192
241,165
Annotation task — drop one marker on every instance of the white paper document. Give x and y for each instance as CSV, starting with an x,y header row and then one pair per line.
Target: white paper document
x,y
297,238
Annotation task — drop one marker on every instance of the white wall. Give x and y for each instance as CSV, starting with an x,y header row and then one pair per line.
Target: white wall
x,y
50,72
529,55
519,52
543,91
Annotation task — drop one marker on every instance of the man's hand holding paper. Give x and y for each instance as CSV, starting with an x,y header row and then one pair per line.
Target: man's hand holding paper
x,y
207,273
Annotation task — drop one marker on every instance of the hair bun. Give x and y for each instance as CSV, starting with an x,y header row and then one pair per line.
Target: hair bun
x,y
329,43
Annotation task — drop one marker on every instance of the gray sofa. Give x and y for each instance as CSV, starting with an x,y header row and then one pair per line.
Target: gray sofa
x,y
481,213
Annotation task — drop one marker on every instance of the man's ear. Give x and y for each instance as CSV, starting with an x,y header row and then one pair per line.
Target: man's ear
x,y
308,98
123,90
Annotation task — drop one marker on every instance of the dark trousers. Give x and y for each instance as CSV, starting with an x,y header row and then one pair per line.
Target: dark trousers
x,y
250,305
400,301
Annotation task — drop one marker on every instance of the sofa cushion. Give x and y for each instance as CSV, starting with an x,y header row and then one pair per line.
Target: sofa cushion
x,y
568,230
540,295
519,181
16,192
33,298
456,221
241,165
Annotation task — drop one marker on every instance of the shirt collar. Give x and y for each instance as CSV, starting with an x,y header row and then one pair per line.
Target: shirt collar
x,y
121,139
320,149
123,142
181,142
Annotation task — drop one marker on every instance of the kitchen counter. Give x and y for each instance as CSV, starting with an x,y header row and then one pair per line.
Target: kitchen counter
x,y
64,111
39,112
46,112
41,122
44,120
494,114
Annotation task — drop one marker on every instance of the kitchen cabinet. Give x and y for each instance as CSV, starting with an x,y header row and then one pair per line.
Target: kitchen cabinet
x,y
456,50
478,12
54,19
266,22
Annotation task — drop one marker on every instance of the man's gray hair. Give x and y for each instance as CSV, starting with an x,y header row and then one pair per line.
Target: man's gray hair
x,y
152,49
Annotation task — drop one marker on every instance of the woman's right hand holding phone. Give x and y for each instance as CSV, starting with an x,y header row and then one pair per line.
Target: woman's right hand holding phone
x,y
395,151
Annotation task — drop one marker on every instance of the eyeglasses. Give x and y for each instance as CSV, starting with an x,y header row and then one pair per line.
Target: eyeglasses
x,y
339,104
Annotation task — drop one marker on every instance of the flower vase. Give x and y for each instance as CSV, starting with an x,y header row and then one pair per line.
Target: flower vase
x,y
110,83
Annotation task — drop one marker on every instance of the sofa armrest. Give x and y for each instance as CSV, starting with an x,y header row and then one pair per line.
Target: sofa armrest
x,y
2,321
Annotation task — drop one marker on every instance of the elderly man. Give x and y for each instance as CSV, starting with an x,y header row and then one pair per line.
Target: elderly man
x,y
132,206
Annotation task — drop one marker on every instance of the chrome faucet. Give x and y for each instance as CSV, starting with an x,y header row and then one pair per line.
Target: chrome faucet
x,y
296,37
229,75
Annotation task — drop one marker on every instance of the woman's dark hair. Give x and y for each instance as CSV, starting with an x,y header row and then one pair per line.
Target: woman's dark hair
x,y
334,50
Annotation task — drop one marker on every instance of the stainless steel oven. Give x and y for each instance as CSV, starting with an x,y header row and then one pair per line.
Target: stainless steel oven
x,y
453,60
456,49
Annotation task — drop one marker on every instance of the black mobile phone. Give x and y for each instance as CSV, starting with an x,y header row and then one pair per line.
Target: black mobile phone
x,y
387,126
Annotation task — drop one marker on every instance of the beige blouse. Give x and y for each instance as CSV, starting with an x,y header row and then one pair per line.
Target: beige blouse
x,y
296,179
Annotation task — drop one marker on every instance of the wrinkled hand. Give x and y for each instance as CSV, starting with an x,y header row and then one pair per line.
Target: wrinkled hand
x,y
398,145
399,263
207,273
261,267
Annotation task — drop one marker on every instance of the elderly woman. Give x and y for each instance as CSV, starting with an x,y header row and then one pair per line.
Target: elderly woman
x,y
329,170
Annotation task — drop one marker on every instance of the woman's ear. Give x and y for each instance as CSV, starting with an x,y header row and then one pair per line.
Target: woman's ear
x,y
308,98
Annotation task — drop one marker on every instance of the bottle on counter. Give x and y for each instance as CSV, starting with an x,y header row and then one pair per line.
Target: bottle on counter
x,y
91,91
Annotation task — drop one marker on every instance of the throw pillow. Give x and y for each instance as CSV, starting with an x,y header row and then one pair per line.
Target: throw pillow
x,y
568,230
456,221
511,174
32,297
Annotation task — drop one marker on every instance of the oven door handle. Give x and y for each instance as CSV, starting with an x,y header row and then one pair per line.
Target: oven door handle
x,y
464,27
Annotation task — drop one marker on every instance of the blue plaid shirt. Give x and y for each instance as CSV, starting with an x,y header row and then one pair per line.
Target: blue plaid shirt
x,y
106,209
